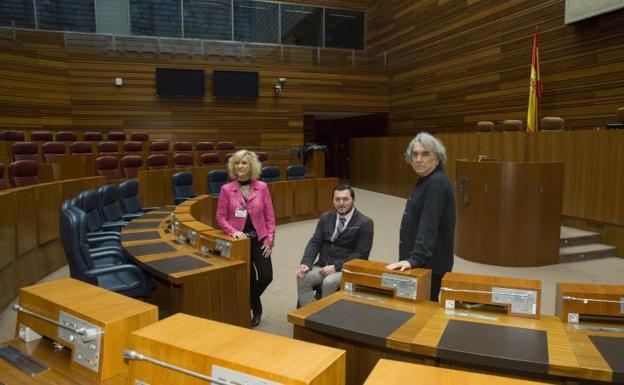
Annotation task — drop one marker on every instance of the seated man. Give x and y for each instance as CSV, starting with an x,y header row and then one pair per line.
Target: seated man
x,y
340,236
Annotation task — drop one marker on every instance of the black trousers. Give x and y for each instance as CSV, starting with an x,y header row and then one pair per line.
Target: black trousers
x,y
436,283
260,275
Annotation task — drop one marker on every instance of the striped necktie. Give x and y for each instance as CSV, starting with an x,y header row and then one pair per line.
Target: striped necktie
x,y
340,228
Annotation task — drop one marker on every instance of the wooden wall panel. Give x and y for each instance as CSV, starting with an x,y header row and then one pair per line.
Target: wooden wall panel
x,y
593,185
73,88
26,219
8,243
49,200
453,63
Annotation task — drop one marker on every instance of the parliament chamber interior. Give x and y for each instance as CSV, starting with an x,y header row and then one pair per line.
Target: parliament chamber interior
x,y
121,121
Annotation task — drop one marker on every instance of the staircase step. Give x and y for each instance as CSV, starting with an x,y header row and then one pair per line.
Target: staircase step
x,y
576,237
586,252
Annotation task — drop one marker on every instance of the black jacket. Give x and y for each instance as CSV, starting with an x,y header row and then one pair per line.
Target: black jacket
x,y
428,224
355,241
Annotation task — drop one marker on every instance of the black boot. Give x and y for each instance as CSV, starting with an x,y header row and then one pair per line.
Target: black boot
x,y
255,319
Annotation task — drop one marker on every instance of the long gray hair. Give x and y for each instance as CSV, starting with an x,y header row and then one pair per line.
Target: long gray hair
x,y
430,143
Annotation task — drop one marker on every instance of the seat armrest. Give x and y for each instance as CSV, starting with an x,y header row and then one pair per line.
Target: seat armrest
x,y
95,239
129,217
146,209
96,234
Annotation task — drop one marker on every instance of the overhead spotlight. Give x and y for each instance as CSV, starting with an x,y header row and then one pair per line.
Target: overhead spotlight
x,y
277,88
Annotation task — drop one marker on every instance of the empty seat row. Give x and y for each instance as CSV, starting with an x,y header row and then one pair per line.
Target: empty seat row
x,y
137,137
70,136
51,150
21,173
549,123
182,182
90,225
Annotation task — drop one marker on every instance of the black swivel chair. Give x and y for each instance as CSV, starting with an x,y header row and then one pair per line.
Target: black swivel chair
x,y
88,201
102,241
294,172
129,198
216,179
182,183
123,278
270,174
109,205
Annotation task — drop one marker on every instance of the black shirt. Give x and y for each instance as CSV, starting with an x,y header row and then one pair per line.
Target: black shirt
x,y
428,224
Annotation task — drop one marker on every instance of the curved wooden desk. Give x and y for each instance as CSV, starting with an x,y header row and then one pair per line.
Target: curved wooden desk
x,y
424,332
508,213
188,280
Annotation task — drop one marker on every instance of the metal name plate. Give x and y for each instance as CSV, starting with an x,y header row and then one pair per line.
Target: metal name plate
x,y
192,234
522,301
405,286
599,328
223,247
86,350
236,377
458,313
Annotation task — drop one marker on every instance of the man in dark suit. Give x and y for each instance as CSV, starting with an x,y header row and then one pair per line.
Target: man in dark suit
x,y
340,236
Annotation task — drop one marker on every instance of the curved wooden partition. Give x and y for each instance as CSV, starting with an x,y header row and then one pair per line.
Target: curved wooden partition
x,y
508,213
292,200
29,232
29,226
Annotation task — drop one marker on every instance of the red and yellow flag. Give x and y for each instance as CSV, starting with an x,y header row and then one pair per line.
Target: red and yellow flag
x,y
535,90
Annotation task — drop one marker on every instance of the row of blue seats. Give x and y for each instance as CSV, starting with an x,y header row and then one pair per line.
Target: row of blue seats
x,y
90,234
182,182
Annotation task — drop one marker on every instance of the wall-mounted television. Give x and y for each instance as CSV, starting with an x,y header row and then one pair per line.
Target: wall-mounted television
x,y
180,82
235,84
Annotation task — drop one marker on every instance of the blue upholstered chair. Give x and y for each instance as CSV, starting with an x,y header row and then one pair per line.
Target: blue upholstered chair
x,y
296,171
129,198
216,179
270,174
121,277
182,184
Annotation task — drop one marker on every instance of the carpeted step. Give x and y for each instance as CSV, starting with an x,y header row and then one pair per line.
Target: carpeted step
x,y
576,237
586,252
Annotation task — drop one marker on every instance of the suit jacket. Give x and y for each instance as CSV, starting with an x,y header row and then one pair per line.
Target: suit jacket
x,y
355,241
259,209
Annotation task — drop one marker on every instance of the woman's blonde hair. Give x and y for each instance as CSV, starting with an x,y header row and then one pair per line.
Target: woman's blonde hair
x,y
253,162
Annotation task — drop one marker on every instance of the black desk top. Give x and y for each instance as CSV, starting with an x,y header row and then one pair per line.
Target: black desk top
x,y
514,348
357,321
142,225
140,236
612,350
177,264
151,248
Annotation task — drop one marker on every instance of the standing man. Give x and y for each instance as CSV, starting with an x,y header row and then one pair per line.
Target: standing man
x,y
340,236
428,223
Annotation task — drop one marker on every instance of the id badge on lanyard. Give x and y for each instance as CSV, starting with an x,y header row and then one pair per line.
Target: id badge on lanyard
x,y
241,212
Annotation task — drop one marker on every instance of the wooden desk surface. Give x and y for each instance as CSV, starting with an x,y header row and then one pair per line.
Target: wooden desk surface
x,y
570,352
219,290
269,356
388,372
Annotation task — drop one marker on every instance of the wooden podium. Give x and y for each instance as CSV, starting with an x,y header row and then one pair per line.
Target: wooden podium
x,y
508,213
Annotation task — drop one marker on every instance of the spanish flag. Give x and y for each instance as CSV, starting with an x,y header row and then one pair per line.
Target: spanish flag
x,y
535,90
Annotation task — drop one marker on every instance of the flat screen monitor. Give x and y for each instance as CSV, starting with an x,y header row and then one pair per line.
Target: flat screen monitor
x,y
235,84
180,82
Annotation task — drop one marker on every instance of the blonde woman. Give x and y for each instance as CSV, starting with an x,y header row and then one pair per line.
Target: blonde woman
x,y
245,211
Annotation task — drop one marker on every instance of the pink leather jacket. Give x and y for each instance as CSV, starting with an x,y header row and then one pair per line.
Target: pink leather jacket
x,y
259,208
